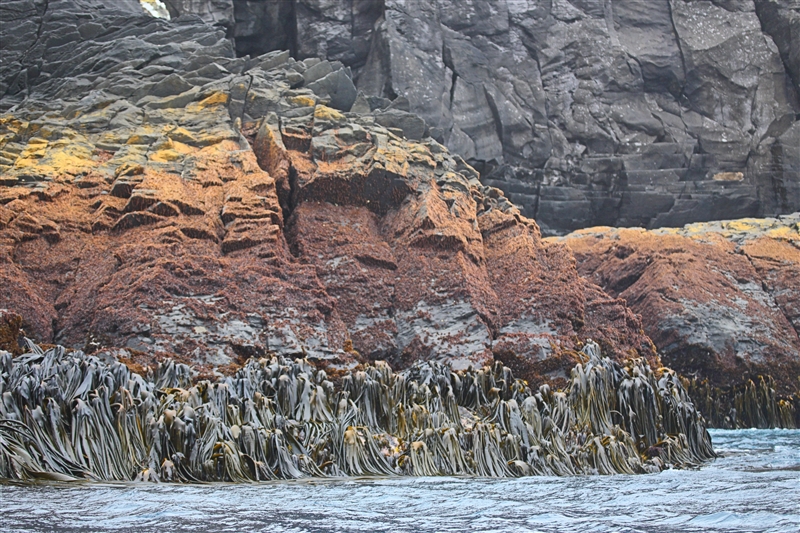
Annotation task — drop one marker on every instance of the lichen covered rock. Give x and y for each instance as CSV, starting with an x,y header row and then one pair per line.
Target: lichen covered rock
x,y
187,202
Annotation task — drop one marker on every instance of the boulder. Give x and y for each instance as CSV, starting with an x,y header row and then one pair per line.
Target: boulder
x,y
721,301
337,86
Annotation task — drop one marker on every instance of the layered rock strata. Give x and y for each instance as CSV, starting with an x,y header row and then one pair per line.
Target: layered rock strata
x,y
720,300
160,196
584,112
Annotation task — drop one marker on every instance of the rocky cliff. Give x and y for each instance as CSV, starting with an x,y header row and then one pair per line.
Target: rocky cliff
x,y
162,196
584,112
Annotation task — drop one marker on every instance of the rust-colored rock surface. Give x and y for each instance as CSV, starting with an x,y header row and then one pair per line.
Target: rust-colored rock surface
x,y
213,208
720,300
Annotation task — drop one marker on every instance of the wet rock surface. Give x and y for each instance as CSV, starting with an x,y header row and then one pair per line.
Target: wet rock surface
x,y
644,113
720,300
160,196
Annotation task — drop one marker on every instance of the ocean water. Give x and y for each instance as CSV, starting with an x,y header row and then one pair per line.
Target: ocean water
x,y
754,486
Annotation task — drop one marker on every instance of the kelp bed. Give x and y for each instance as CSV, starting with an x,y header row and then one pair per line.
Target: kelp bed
x,y
752,404
68,415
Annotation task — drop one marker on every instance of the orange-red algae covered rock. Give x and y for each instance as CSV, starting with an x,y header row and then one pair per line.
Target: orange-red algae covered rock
x,y
211,208
720,300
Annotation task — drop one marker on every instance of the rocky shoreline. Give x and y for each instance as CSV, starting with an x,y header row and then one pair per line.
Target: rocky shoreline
x,y
161,198
720,300
184,202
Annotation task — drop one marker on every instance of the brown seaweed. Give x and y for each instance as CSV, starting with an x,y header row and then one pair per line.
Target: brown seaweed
x,y
68,415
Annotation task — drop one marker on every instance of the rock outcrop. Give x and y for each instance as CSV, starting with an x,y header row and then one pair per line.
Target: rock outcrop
x,y
160,196
584,112
720,300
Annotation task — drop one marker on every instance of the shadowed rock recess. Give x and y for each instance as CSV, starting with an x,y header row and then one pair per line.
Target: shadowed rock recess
x,y
584,112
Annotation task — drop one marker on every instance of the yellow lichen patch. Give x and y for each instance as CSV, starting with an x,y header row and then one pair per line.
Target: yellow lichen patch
x,y
326,113
785,233
165,143
137,139
13,124
394,161
129,169
211,139
165,156
73,157
216,98
168,150
745,224
302,101
182,148
61,157
36,149
419,154
113,137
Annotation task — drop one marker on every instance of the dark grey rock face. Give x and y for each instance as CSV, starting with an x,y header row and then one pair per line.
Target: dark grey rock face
x,y
585,112
781,20
217,12
339,30
59,48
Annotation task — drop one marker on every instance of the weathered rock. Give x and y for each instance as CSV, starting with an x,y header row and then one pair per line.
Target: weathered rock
x,y
338,87
136,215
720,300
781,20
617,112
412,126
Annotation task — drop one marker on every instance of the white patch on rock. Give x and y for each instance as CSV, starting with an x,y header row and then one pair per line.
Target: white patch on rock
x,y
155,8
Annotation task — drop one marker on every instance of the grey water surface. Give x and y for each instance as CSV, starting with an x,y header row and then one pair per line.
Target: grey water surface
x,y
754,486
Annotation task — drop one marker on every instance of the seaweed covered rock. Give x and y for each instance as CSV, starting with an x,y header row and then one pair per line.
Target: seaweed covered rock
x,y
171,199
720,301
71,416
